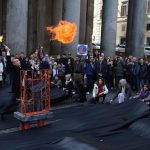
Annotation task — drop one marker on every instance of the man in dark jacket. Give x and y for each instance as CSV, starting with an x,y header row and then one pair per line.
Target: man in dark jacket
x,y
135,74
119,66
143,73
16,78
41,53
90,74
101,68
44,65
78,66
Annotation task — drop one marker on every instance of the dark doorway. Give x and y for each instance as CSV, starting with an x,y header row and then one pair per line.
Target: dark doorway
x,y
122,40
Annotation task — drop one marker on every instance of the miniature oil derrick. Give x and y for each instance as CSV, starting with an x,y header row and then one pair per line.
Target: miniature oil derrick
x,y
34,98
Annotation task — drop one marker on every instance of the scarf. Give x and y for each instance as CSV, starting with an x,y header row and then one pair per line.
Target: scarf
x,y
100,88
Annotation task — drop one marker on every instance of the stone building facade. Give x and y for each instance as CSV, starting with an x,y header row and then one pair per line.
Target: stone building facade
x,y
121,21
23,23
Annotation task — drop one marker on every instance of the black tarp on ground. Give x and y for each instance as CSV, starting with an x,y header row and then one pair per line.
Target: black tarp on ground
x,y
91,127
7,98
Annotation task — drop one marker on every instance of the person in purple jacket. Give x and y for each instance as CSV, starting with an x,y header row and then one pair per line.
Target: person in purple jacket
x,y
144,94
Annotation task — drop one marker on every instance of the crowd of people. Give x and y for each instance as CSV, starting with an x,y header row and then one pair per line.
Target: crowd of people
x,y
81,75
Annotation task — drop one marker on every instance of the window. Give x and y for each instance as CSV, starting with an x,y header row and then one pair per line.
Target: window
x,y
148,6
123,27
148,27
124,9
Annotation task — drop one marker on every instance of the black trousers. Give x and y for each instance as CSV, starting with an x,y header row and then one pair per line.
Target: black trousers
x,y
96,99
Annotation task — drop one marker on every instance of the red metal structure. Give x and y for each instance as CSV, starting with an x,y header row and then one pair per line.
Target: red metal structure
x,y
34,98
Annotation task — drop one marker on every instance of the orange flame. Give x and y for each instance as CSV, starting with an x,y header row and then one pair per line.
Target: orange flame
x,y
1,38
64,32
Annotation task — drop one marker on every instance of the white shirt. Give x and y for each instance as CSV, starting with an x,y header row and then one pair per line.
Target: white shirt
x,y
55,72
1,68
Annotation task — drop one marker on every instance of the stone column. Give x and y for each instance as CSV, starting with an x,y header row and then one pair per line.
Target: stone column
x,y
48,22
32,26
41,19
57,13
83,18
109,27
16,25
44,19
136,28
129,26
4,12
72,14
89,23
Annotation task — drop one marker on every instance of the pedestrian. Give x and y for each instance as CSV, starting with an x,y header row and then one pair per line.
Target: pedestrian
x,y
89,70
16,78
143,73
1,72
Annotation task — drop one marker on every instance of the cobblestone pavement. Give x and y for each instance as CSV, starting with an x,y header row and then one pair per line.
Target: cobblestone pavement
x,y
70,101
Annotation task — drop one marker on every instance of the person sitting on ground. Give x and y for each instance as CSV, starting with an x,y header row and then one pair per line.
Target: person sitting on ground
x,y
144,94
124,92
57,82
100,90
79,94
69,86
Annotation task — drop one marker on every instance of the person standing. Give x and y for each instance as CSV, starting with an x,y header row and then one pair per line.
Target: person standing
x,y
101,68
119,70
78,66
16,78
1,72
110,75
143,73
135,74
90,75
41,53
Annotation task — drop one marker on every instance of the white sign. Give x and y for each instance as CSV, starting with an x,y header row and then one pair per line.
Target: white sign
x,y
82,49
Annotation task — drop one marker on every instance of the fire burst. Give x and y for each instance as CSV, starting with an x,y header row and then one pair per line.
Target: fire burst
x,y
1,38
64,32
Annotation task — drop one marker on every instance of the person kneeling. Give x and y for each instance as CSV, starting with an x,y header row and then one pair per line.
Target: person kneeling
x,y
99,90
